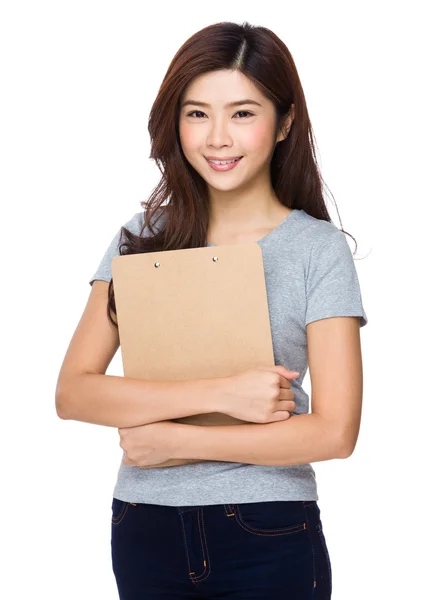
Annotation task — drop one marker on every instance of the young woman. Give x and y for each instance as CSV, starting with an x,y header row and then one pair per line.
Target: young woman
x,y
232,137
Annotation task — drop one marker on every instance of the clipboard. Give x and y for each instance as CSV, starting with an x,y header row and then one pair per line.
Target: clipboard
x,y
193,313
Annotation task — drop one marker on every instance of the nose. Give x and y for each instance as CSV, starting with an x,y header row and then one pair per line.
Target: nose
x,y
218,134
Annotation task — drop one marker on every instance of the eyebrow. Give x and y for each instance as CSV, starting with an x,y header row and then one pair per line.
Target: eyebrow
x,y
228,105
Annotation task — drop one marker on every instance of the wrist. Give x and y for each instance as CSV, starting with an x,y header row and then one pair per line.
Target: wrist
x,y
208,393
179,440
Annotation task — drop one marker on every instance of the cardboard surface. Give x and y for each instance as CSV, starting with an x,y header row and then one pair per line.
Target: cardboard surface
x,y
193,317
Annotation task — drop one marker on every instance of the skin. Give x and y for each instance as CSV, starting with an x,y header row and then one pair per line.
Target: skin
x,y
243,205
244,208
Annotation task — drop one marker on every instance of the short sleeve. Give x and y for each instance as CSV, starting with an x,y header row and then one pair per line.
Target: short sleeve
x,y
103,271
332,284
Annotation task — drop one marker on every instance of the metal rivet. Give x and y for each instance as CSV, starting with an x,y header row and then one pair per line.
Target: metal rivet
x,y
215,258
156,265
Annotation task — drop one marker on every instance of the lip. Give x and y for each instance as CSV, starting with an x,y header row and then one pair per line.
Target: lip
x,y
227,167
222,157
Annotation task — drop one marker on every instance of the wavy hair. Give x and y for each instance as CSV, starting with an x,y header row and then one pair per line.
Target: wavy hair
x,y
296,180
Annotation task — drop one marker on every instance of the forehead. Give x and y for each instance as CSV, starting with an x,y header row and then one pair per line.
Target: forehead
x,y
219,87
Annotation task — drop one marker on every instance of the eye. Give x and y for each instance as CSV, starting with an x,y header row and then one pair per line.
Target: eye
x,y
195,111
245,112
240,112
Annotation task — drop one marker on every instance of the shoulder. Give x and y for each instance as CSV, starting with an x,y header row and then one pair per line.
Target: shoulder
x,y
317,241
318,232
323,248
136,222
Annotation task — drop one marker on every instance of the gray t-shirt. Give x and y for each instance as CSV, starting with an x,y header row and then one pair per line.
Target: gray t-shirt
x,y
310,274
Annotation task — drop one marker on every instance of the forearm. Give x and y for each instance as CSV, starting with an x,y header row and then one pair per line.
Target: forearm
x,y
299,440
126,402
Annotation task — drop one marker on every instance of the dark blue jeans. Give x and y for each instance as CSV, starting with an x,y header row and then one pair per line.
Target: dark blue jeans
x,y
250,551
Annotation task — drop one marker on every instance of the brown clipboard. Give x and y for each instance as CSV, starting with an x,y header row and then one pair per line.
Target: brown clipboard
x,y
193,313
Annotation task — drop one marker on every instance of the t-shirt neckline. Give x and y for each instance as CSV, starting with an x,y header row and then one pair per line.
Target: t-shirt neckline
x,y
272,232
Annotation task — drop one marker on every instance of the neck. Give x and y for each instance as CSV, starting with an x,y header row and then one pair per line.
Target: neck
x,y
243,209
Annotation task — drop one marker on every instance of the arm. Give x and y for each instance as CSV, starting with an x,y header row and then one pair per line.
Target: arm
x,y
330,431
85,393
125,402
299,440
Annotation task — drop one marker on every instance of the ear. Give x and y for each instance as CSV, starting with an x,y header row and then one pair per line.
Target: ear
x,y
287,124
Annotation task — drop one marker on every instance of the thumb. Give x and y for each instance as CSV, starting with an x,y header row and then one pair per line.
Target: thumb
x,y
287,373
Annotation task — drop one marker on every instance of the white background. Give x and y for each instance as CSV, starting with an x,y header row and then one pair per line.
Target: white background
x,y
78,80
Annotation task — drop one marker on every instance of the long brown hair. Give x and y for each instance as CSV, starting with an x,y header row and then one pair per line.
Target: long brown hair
x,y
262,57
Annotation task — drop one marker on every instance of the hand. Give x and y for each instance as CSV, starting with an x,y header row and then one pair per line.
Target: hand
x,y
260,395
149,444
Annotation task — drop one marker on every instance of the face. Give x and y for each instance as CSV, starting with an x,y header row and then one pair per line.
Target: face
x,y
210,126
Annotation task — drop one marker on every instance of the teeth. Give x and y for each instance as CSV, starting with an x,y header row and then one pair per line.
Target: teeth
x,y
223,162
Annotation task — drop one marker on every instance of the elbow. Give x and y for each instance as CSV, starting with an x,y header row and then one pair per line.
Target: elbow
x,y
346,447
61,409
345,451
339,441
346,435
61,404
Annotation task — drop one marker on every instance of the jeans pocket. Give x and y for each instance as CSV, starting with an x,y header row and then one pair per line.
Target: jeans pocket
x,y
119,509
271,518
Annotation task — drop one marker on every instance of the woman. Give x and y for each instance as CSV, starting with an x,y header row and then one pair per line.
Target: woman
x,y
231,134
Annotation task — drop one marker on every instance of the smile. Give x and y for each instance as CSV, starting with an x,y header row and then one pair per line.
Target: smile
x,y
223,165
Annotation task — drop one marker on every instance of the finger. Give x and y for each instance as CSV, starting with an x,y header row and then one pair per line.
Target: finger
x,y
286,395
286,405
280,415
285,383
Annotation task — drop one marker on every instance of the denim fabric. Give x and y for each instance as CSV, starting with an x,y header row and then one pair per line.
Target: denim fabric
x,y
249,551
